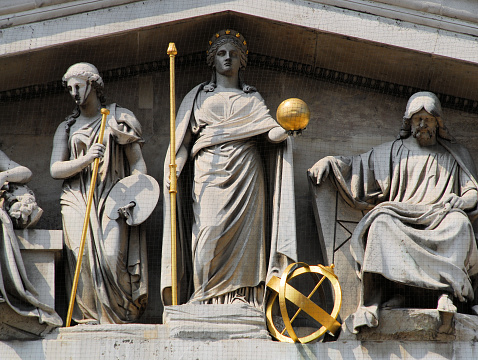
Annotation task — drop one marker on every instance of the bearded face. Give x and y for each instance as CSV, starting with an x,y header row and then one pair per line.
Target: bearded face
x,y
424,127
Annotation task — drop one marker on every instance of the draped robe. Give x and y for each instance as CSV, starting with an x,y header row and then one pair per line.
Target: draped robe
x,y
231,215
409,236
112,286
15,288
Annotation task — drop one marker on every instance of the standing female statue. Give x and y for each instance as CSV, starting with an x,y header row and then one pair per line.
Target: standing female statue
x,y
235,187
112,286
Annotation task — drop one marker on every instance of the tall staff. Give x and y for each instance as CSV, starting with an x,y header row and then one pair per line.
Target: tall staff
x,y
86,222
172,52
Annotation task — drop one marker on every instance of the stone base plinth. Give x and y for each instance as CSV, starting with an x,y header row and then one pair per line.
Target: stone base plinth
x,y
418,325
135,341
403,334
215,322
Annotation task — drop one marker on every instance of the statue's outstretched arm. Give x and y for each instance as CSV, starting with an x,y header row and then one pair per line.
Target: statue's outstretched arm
x,y
12,172
277,134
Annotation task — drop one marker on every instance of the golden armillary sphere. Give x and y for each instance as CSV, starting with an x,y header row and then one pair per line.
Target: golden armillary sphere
x,y
288,297
293,115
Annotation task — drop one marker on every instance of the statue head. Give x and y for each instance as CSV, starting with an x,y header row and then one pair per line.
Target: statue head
x,y
224,37
87,77
236,39
420,102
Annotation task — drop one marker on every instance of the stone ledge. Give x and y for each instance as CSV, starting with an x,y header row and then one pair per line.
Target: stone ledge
x,y
35,239
140,341
418,325
100,332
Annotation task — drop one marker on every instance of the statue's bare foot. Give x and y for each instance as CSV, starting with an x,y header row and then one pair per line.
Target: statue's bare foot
x,y
445,304
474,309
395,302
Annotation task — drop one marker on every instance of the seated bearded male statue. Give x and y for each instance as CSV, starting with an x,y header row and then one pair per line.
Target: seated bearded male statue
x,y
417,238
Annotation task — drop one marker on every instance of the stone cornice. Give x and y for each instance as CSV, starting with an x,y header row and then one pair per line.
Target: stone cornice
x,y
460,13
26,12
371,21
458,16
257,61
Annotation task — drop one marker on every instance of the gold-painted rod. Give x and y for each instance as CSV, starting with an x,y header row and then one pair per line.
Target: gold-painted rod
x,y
172,52
86,222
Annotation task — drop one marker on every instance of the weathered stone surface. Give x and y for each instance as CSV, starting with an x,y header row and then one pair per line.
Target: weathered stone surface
x,y
135,341
39,249
17,327
418,325
110,331
215,322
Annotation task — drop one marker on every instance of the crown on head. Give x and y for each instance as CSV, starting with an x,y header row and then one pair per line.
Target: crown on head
x,y
229,33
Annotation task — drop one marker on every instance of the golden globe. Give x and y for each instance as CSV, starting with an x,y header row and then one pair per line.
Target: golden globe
x,y
293,114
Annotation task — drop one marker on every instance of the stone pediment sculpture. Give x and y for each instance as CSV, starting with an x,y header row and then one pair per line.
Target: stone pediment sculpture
x,y
419,197
113,280
22,313
227,217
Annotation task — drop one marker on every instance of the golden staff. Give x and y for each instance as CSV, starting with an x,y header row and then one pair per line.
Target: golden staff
x,y
172,52
96,164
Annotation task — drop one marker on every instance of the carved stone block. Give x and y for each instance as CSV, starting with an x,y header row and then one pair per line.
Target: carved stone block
x,y
215,321
336,222
39,249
